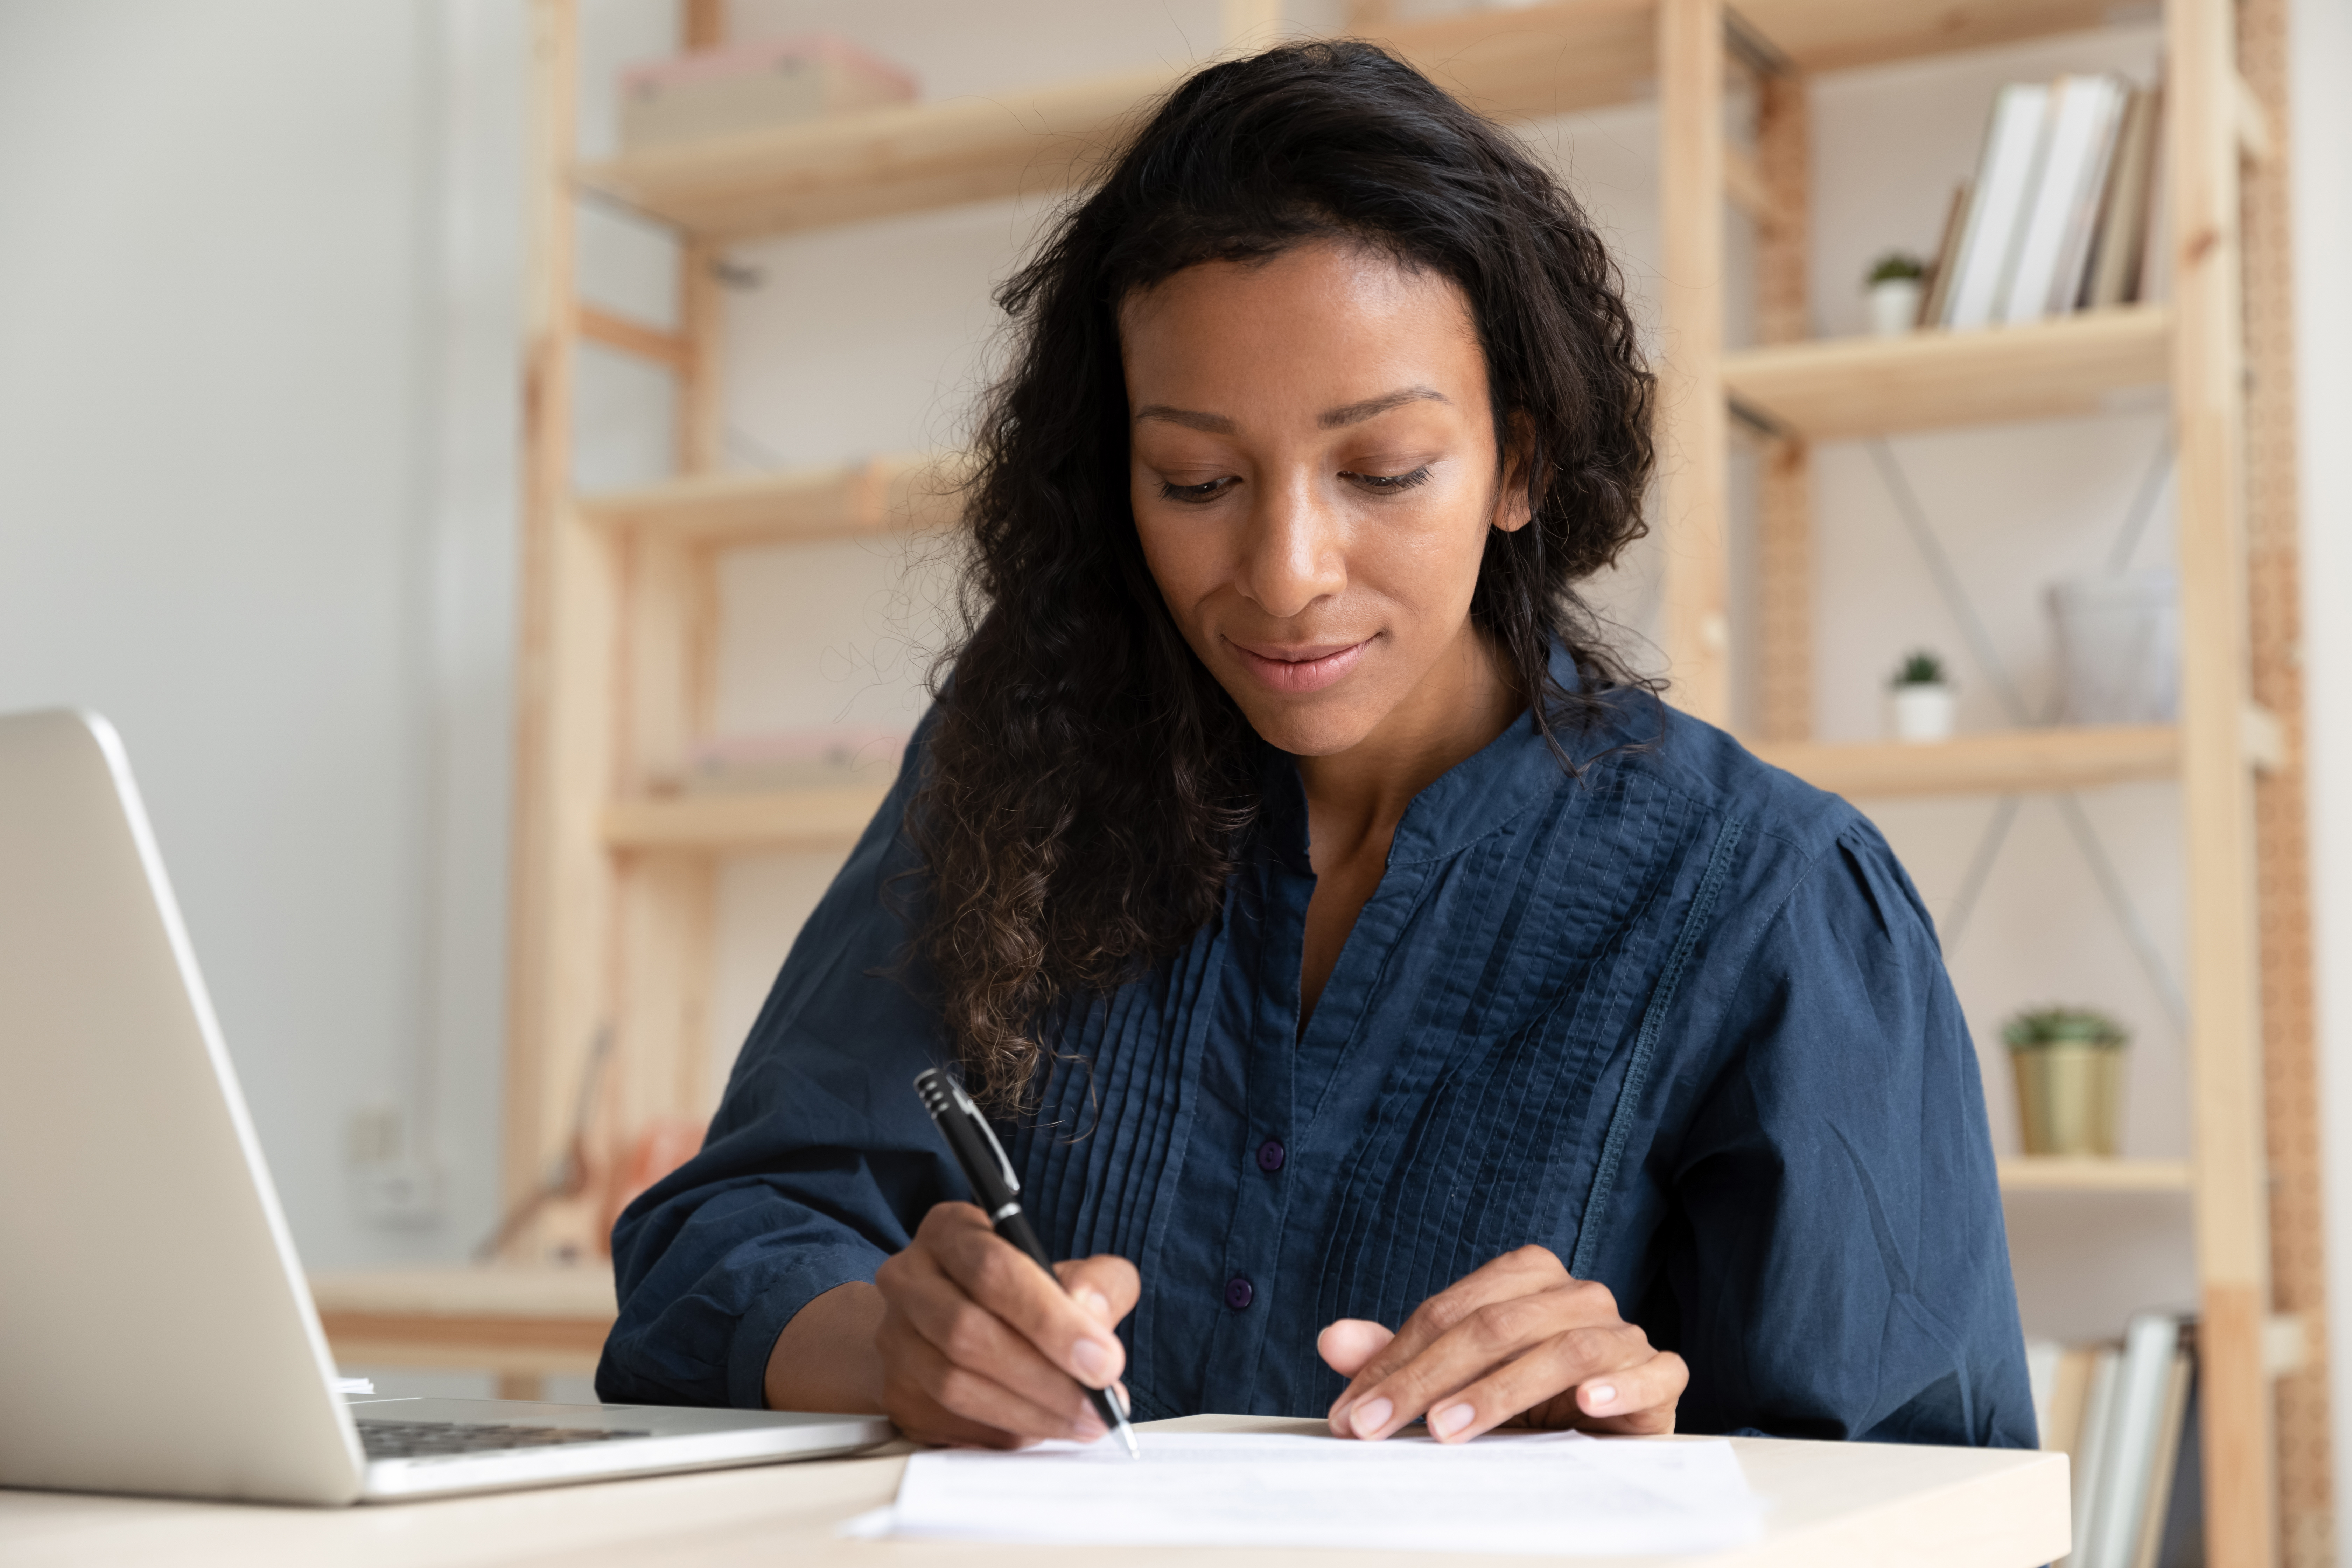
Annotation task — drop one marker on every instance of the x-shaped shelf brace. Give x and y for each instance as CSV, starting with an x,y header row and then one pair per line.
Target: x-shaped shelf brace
x,y
1955,595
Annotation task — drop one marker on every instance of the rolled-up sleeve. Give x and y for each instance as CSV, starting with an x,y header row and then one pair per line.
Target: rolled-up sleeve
x,y
1838,1267
818,1165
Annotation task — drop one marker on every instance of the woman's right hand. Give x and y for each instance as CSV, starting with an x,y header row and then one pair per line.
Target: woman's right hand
x,y
978,1346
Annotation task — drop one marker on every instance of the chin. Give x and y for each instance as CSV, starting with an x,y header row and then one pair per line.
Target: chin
x,y
1304,733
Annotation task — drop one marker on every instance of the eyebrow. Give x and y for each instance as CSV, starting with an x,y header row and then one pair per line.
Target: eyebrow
x,y
1357,412
1331,419
1214,424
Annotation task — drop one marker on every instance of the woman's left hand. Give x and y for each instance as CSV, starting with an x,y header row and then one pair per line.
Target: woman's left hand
x,y
1517,1341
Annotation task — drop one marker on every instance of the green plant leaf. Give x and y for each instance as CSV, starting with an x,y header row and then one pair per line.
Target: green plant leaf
x,y
2037,1026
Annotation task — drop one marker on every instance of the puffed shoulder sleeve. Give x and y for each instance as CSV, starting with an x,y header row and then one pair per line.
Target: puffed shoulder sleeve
x,y
1837,1266
819,1164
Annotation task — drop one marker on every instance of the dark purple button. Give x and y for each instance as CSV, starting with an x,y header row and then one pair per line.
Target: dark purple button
x,y
1269,1156
1238,1293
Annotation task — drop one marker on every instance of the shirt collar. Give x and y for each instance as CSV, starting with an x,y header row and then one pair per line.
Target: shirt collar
x,y
1477,797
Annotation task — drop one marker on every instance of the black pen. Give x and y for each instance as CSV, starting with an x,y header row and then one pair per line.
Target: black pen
x,y
997,1191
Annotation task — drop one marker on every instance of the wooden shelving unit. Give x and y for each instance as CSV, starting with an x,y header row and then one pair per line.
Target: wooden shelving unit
x,y
613,876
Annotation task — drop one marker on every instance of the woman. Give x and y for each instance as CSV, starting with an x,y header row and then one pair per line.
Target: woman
x,y
1393,1011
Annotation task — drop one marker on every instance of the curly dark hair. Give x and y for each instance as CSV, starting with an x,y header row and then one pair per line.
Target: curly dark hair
x,y
1088,784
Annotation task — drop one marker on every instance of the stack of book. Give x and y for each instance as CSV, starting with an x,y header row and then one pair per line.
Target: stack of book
x,y
2060,214
2125,1415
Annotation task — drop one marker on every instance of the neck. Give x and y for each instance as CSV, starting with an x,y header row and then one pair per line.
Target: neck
x,y
1355,798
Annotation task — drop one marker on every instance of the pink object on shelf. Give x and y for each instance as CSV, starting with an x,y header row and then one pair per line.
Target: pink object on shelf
x,y
752,85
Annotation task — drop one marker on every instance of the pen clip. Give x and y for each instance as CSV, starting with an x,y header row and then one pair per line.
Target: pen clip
x,y
964,1102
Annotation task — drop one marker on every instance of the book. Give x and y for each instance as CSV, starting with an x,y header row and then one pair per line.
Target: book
x,y
2126,1416
2089,1458
2112,96
2181,1543
2108,1535
2069,1397
2154,281
2006,174
2078,140
2164,1468
2121,241
2043,1359
1939,270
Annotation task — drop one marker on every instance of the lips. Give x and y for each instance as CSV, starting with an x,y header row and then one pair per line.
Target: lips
x,y
1298,669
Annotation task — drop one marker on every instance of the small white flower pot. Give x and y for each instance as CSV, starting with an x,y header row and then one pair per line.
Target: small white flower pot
x,y
1894,307
1923,714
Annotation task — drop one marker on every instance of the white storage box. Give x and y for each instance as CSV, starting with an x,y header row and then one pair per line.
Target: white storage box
x,y
2119,646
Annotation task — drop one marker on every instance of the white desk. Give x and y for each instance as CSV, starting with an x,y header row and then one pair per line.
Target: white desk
x,y
1832,1506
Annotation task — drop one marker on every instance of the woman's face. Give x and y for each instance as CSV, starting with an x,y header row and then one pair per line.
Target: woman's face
x,y
1314,474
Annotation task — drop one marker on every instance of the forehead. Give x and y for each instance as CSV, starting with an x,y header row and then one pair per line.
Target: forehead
x,y
1324,298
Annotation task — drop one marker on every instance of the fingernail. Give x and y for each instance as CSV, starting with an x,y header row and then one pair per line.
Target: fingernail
x,y
1599,1395
1370,1416
1094,1362
1088,1427
1097,1304
1451,1419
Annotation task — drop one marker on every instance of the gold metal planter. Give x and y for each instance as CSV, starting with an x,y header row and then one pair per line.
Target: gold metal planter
x,y
2068,1095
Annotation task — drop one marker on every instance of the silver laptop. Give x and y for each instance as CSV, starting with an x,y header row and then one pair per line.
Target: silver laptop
x,y
155,1331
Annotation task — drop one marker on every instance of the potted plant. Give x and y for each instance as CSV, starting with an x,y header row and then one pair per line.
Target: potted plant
x,y
1921,699
1896,281
2069,1066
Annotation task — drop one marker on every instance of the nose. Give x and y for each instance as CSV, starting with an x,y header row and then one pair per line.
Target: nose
x,y
1294,552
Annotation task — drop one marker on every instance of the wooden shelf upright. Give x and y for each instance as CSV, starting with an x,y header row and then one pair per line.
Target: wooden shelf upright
x,y
612,879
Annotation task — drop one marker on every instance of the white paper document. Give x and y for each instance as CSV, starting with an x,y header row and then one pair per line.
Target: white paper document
x,y
1558,1493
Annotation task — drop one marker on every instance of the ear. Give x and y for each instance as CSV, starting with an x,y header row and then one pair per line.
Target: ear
x,y
1513,508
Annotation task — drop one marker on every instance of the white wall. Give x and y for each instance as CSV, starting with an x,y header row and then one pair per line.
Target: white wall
x,y
224,523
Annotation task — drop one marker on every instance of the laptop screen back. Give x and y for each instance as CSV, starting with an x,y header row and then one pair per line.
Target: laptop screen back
x,y
155,1333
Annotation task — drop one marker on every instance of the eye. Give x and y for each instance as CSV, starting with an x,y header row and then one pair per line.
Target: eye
x,y
1389,484
1194,495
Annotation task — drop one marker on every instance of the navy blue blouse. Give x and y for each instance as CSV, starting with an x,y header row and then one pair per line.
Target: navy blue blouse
x,y
1681,1019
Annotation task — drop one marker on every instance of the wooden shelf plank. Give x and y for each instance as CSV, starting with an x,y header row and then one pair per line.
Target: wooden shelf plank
x,y
2009,762
2061,1174
718,823
881,494
1833,34
1544,59
878,161
1866,386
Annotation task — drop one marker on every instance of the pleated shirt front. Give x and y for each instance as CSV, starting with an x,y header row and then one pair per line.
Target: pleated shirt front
x,y
1672,1014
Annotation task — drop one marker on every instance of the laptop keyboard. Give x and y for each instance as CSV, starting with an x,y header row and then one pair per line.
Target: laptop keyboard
x,y
423,1439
